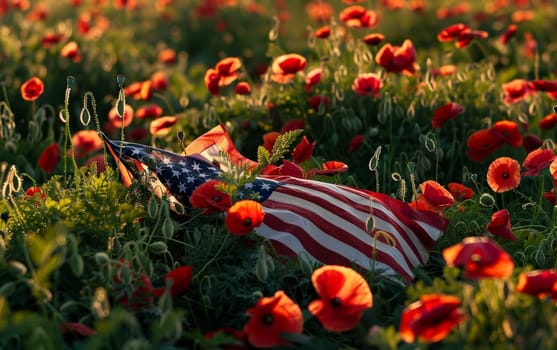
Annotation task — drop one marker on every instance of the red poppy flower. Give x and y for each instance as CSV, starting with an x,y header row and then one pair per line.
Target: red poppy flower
x,y
99,162
452,32
33,190
319,11
344,295
303,151
398,59
431,318
480,258
537,160
368,84
543,85
459,191
129,4
553,171
394,5
500,225
436,194
167,56
358,17
481,144
446,112
207,196
373,39
417,5
71,51
50,39
86,142
77,328
507,131
162,126
116,121
242,88
270,169
271,317
32,89
531,142
36,193
293,124
39,13
549,121
49,158
522,16
313,77
539,283
322,32
444,70
212,79
331,167
227,70
243,216
288,168
466,37
159,79
181,281
133,89
355,143
516,90
285,67
146,91
147,111
4,7
550,196
422,204
503,174
318,100
138,293
509,33
530,46
269,139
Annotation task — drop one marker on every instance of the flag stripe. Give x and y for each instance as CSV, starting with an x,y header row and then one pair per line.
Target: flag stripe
x,y
298,234
358,203
335,219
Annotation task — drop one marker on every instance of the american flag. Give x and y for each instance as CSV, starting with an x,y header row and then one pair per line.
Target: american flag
x,y
325,222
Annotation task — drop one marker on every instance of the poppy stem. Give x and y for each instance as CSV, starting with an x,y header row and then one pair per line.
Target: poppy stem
x,y
33,108
166,102
217,254
5,93
540,199
537,205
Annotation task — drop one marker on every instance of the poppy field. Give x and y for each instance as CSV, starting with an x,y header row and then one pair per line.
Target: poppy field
x,y
418,133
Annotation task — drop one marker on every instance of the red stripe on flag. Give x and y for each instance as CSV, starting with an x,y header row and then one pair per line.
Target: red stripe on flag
x,y
325,217
338,195
277,224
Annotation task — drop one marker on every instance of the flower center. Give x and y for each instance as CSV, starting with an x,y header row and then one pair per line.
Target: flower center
x,y
476,258
336,302
267,319
505,175
247,222
216,198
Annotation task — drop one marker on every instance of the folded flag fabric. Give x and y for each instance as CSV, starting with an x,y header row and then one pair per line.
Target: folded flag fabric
x,y
324,222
